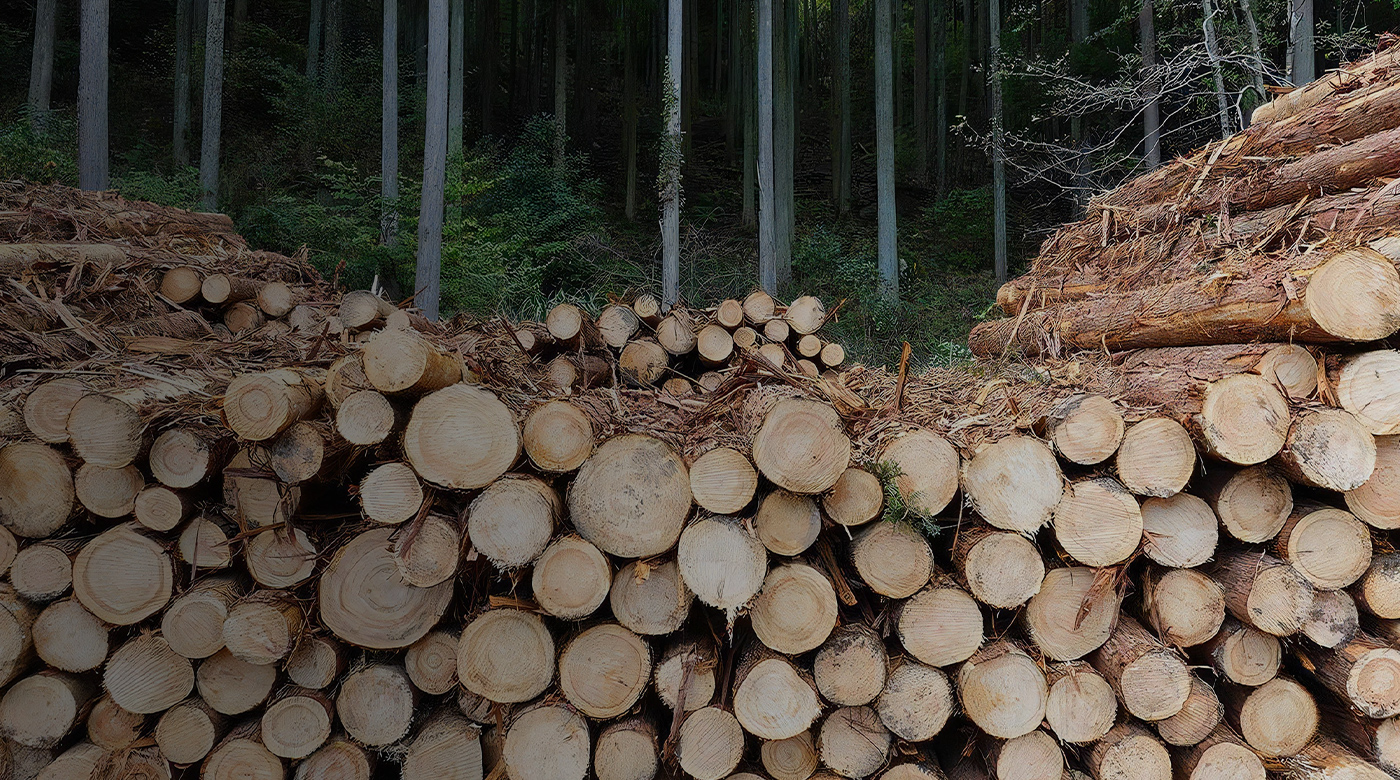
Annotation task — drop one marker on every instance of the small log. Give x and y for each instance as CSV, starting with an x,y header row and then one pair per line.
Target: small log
x,y
391,494
796,609
676,333
366,418
431,662
511,521
145,676
710,744
650,599
1003,690
42,572
1263,591
928,470
647,309
430,556
809,347
446,747
794,758
604,670
855,499
1364,671
1098,523
345,376
122,577
303,452
646,518
276,299
181,284
401,362
80,762
729,314
258,500
1185,607
617,325
941,625
297,723
1277,719
1252,503
684,678
722,562
1329,449
626,750
194,623
1152,682
259,406
1156,458
1377,502
1378,590
69,638
558,437
1198,717
802,446
547,742
47,407
279,558
36,490
1292,367
1085,429
364,601
850,668
242,754
1033,756
208,542
759,307
854,742
1324,759
243,317
1072,614
112,728
1242,654
806,314
571,578
1222,755
1366,387
775,354
714,345
894,559
776,330
745,338
461,437
572,328
161,509
1014,484
223,288
772,698
316,662
1333,620
232,686
338,759
1328,546
723,481
1081,706
263,627
643,362
1180,531
786,523
833,355
916,702
506,655
362,309
39,711
1129,752
376,704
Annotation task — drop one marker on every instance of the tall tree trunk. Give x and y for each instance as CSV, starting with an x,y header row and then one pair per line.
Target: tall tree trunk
x,y
1256,52
922,84
940,80
1302,68
313,42
767,201
899,114
456,68
841,102
670,167
1078,34
586,96
734,101
998,144
969,45
748,77
629,114
240,21
690,73
180,130
428,275
41,64
887,252
561,81
785,131
213,106
335,19
1213,51
1151,117
389,128
92,95
490,61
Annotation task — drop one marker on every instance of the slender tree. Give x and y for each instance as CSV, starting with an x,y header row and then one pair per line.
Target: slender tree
x,y
841,83
887,245
184,35
561,81
457,55
767,202
749,76
922,86
940,80
335,21
428,276
41,63
92,95
1217,72
238,23
630,112
998,142
1256,70
389,128
490,58
313,41
213,106
670,169
1151,116
784,130
1302,68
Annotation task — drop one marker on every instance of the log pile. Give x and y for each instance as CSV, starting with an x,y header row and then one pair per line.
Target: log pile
x,y
336,540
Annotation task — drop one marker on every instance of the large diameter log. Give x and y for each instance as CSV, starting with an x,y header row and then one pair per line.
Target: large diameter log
x,y
772,699
685,676
759,307
722,563
47,407
1156,458
447,747
263,627
181,284
1377,501
1073,613
365,601
1263,591
1277,719
916,702
1002,569
39,711
723,481
1081,706
1329,449
69,638
403,362
231,686
1242,654
1364,671
1328,546
1366,387
794,758
547,742
1085,429
511,521
710,744
571,578
631,497
714,345
853,742
259,406
626,750
1151,680
1252,503
461,437
604,670
122,577
297,724
855,499
1129,752
558,437
1184,606
786,523
1222,755
242,754
1199,716
1003,690
1353,295
1180,531
795,610
376,704
802,446
80,762
36,490
928,470
941,625
1014,484
506,655
894,559
145,676
1098,523
651,600
850,668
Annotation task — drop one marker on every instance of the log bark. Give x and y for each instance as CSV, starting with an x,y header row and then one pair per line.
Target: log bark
x,y
643,520
1014,484
1324,758
1003,690
571,578
506,655
223,288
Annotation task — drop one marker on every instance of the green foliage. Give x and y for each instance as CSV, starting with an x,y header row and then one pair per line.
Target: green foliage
x,y
897,509
50,156
960,226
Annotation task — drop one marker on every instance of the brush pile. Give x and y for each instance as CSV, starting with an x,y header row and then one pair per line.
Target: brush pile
x,y
253,528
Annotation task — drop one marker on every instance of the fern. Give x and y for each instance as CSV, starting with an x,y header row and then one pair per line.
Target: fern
x,y
897,508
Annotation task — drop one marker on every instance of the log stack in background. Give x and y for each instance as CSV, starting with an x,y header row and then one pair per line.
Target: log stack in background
x,y
257,529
